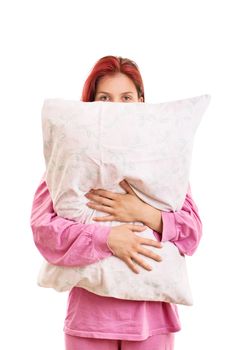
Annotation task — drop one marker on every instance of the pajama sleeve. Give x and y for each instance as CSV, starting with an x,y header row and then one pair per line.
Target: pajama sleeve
x,y
183,227
65,242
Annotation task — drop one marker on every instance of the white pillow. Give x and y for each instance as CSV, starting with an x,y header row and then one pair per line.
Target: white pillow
x,y
98,144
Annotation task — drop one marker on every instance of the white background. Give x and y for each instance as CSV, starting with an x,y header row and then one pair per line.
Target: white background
x,y
183,49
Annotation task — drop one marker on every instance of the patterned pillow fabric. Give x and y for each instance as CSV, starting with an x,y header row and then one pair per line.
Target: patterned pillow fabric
x,y
97,145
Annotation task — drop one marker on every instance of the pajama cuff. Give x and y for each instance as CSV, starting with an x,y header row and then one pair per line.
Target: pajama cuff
x,y
100,236
169,226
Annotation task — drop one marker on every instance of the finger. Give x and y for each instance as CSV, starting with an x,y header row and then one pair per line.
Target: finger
x,y
152,242
124,184
104,218
149,254
131,265
99,199
141,262
100,207
137,228
104,193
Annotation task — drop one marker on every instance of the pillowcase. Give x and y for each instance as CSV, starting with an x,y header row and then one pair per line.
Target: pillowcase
x,y
96,145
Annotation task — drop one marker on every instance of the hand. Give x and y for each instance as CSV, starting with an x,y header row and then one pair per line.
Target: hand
x,y
125,207
126,245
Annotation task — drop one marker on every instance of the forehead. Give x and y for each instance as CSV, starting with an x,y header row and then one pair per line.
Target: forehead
x,y
116,82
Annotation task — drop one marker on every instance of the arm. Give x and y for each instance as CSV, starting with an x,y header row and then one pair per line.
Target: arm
x,y
183,227
65,242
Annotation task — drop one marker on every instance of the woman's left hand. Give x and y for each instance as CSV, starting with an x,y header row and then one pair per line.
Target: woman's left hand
x,y
126,207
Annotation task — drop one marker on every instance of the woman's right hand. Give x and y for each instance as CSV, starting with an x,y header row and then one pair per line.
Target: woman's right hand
x,y
126,245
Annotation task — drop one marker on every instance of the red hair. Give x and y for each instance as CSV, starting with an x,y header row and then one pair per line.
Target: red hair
x,y
108,65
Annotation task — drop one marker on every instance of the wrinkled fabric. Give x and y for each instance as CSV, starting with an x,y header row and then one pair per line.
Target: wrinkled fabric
x,y
96,145
155,342
68,243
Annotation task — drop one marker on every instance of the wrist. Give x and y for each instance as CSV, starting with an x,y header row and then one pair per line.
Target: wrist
x,y
152,217
142,212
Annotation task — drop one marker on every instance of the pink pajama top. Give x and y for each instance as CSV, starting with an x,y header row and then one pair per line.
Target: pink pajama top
x,y
69,243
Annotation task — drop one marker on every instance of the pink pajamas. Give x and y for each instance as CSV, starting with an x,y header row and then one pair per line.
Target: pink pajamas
x,y
155,342
91,318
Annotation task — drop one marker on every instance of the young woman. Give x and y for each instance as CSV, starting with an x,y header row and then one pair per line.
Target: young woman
x,y
93,321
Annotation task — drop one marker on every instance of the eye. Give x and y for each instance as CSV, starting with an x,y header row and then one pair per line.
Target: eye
x,y
127,98
103,98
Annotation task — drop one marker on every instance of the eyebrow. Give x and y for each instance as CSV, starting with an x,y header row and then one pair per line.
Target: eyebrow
x,y
105,92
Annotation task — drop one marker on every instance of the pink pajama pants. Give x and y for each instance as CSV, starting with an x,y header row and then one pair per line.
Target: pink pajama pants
x,y
154,342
